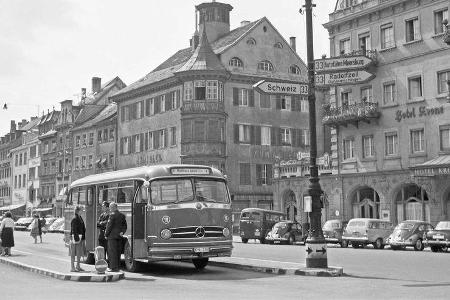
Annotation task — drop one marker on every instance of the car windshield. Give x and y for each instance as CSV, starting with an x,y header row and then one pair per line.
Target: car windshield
x,y
404,226
182,190
330,225
356,224
281,225
443,225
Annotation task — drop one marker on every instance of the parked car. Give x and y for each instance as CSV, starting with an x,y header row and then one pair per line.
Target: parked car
x,y
333,231
56,225
254,223
49,221
22,223
361,232
439,238
287,232
409,234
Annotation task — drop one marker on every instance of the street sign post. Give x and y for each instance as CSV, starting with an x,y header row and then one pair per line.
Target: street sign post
x,y
342,78
346,63
285,88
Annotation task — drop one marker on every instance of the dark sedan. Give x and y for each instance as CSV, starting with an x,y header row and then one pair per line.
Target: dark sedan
x,y
439,238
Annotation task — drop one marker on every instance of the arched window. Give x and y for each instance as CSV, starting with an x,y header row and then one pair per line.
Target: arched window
x,y
278,45
412,204
366,203
251,41
294,69
265,65
236,62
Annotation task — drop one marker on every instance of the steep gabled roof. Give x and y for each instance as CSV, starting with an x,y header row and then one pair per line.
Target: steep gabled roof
x,y
30,125
107,112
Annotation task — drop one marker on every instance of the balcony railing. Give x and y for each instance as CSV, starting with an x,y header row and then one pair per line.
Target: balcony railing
x,y
197,106
350,114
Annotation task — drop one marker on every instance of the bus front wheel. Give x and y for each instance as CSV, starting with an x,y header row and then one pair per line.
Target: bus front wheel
x,y
130,264
200,263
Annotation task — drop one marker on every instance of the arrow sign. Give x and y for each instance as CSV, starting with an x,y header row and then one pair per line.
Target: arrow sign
x,y
343,78
285,88
309,250
323,250
341,63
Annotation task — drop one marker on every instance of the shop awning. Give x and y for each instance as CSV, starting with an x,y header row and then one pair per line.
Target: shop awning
x,y
434,167
11,207
43,209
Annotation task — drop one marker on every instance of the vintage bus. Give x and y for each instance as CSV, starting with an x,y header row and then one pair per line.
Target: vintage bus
x,y
255,223
173,212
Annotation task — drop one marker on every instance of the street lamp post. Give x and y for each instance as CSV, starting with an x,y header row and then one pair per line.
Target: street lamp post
x,y
316,248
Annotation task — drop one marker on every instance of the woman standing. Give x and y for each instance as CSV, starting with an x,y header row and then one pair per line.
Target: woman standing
x,y
7,233
35,228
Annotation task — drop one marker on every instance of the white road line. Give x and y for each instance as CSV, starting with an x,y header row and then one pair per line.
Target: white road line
x,y
35,254
266,260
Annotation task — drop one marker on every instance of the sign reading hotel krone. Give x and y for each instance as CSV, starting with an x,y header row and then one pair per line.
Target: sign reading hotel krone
x,y
284,88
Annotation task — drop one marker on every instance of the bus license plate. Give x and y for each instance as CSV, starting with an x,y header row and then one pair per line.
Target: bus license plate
x,y
201,249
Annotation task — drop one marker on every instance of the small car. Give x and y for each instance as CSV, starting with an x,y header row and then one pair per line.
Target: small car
x,y
364,231
333,230
22,224
56,225
409,234
287,232
439,238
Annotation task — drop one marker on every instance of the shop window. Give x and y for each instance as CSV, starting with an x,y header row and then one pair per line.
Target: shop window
x,y
366,203
412,203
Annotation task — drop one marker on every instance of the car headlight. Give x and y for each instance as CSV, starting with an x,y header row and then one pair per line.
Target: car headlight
x,y
226,232
166,234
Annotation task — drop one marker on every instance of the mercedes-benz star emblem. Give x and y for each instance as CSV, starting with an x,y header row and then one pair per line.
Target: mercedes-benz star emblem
x,y
200,232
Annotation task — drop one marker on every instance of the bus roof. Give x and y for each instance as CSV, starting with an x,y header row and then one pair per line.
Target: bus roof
x,y
142,173
252,209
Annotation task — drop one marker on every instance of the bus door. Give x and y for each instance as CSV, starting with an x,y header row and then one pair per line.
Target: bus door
x,y
91,219
138,221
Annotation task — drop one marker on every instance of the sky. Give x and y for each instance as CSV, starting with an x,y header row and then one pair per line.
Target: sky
x,y
50,49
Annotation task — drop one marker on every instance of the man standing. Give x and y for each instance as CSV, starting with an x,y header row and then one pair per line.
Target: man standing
x,y
77,239
115,229
101,225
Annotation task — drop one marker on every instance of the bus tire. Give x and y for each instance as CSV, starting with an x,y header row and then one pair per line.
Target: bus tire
x,y
130,264
200,263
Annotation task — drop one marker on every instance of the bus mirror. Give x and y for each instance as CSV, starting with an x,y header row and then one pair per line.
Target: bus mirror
x,y
146,184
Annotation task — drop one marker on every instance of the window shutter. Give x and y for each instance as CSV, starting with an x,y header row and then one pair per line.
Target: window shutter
x,y
178,98
294,137
147,107
121,146
252,135
236,133
156,139
141,141
146,141
251,96
279,140
166,137
273,136
235,96
122,114
157,105
296,106
278,102
269,174
257,135
302,138
168,104
258,174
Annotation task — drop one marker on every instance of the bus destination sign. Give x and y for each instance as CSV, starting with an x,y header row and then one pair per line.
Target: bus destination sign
x,y
190,171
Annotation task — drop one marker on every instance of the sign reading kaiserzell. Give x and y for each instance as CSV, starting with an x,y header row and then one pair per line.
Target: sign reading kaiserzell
x,y
281,88
342,78
341,63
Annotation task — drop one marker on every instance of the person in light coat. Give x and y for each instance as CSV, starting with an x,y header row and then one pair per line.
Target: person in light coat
x,y
7,234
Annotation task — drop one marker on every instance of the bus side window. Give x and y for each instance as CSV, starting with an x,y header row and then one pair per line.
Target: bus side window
x,y
90,196
82,196
142,195
69,200
125,193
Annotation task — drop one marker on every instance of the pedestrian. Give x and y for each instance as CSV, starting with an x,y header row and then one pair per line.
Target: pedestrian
x,y
115,229
35,228
7,234
41,224
101,225
77,239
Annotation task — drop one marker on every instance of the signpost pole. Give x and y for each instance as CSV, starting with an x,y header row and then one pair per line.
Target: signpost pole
x,y
315,244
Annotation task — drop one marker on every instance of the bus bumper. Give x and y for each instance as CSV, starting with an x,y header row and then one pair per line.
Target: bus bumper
x,y
184,252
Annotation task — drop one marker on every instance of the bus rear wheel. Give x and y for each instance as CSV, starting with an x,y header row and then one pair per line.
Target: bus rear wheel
x,y
130,264
200,263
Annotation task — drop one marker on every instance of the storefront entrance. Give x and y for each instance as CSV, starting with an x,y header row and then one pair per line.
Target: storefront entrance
x,y
412,203
366,203
290,205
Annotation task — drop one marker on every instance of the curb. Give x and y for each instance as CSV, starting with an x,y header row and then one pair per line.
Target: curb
x,y
319,272
61,276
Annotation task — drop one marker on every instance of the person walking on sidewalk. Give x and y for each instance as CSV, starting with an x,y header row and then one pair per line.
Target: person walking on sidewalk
x,y
101,225
35,228
7,234
42,222
115,229
77,238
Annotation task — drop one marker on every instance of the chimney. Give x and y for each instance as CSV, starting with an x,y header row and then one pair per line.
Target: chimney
x,y
96,84
83,93
243,23
195,41
13,126
293,45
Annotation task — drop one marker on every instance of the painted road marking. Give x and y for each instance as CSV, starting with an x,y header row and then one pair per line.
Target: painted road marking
x,y
45,256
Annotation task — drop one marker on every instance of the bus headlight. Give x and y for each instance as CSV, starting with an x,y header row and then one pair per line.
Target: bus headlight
x,y
226,218
226,232
166,234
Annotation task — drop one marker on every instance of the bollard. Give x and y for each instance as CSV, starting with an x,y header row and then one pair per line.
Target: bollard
x,y
100,263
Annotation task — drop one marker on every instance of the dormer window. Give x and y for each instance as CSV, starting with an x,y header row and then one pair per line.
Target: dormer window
x,y
278,45
294,70
265,65
251,42
236,62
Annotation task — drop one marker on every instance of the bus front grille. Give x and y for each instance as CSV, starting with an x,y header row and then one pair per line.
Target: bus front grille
x,y
197,232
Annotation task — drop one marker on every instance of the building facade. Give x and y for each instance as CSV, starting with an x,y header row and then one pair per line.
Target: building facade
x,y
199,106
390,136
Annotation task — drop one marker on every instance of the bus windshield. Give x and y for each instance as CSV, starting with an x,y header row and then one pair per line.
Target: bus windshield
x,y
167,191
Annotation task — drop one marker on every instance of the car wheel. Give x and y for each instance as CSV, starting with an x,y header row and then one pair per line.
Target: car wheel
x,y
244,240
262,240
344,244
434,248
291,240
130,264
200,263
355,245
418,246
378,244
444,248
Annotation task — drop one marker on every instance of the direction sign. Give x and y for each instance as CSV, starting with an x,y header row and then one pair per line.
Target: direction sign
x,y
285,88
342,78
341,63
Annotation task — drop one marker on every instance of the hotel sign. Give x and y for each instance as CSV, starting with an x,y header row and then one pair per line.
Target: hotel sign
x,y
341,63
430,172
284,88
